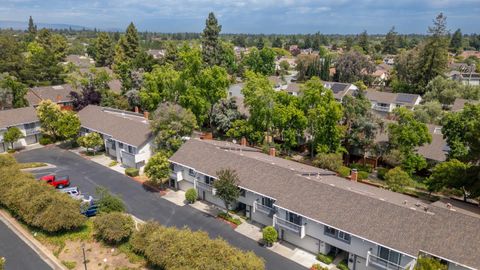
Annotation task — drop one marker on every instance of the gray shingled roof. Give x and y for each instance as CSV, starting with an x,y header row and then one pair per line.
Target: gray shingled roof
x,y
377,217
391,98
55,93
459,104
18,116
126,127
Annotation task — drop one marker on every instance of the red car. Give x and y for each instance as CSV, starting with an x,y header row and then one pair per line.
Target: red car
x,y
56,181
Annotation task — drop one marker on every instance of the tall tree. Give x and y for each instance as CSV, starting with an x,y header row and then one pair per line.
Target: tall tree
x,y
289,121
363,41
158,168
456,43
352,66
452,174
261,61
323,114
161,85
48,113
210,41
103,50
227,187
132,45
11,55
225,112
433,55
32,28
389,44
12,92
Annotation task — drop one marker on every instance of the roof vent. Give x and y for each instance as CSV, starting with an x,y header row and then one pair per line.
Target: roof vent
x,y
57,87
405,202
417,204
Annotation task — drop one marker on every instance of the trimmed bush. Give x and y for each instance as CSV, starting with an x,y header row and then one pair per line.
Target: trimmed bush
x,y
191,195
381,173
229,218
343,265
113,227
35,203
44,140
331,161
270,235
166,248
132,172
317,266
361,167
326,259
363,175
343,171
107,202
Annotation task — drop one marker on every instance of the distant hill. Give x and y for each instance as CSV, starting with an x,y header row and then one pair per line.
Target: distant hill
x,y
17,25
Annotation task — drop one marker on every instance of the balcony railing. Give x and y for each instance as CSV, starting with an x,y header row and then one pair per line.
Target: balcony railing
x,y
204,186
290,226
263,209
380,263
382,108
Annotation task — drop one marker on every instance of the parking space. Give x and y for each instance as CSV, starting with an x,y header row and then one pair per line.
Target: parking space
x,y
143,203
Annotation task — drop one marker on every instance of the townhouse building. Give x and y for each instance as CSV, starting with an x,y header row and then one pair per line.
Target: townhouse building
x,y
127,136
26,120
59,94
317,211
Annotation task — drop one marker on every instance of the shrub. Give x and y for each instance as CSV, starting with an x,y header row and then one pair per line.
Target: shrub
x,y
317,266
165,248
343,265
132,172
139,239
36,203
108,202
70,264
113,227
343,171
326,259
11,151
270,235
2,263
361,167
229,218
381,173
113,163
363,175
191,195
330,161
397,180
45,140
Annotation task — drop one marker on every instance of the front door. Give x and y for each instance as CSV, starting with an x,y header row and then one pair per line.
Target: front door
x,y
172,183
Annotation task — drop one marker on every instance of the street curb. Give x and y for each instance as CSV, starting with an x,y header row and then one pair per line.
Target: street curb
x,y
49,166
33,243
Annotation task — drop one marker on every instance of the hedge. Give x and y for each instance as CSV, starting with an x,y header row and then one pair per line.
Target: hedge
x,y
363,175
343,171
132,172
36,203
191,195
113,227
44,140
172,248
343,265
270,235
229,218
326,259
381,173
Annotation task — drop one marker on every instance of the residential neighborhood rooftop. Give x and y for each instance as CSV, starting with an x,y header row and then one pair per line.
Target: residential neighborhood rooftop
x,y
18,116
382,216
459,104
127,127
391,98
55,93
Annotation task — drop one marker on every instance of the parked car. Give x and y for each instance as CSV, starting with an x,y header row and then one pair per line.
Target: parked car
x,y
89,209
72,191
56,181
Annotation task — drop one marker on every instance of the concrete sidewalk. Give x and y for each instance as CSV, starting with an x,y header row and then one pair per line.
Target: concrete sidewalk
x,y
33,243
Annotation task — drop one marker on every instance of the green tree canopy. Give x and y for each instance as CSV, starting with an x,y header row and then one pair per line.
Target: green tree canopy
x,y
261,61
158,168
103,45
211,47
12,92
12,135
397,180
90,140
227,187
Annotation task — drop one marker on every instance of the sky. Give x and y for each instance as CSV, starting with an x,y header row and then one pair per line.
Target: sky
x,y
251,16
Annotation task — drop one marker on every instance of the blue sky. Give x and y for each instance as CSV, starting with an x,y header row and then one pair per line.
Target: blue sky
x,y
251,16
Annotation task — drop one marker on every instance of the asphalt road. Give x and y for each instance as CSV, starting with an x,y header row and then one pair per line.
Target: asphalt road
x,y
18,254
145,204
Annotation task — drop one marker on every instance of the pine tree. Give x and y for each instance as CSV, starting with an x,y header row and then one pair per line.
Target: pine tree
x,y
389,45
210,41
132,47
103,49
32,28
456,41
363,41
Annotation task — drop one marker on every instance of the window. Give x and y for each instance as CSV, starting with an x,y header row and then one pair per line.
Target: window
x,y
242,192
209,180
389,255
267,202
330,231
120,145
294,218
131,149
191,172
29,126
344,236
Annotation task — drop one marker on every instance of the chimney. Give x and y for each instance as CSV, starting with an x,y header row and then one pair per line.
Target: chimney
x,y
145,114
243,141
59,98
272,151
136,109
354,175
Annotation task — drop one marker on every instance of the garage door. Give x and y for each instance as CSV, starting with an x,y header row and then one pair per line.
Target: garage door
x,y
31,139
307,243
184,185
360,263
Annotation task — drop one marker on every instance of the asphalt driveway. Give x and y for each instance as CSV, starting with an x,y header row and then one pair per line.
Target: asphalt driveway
x,y
145,204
